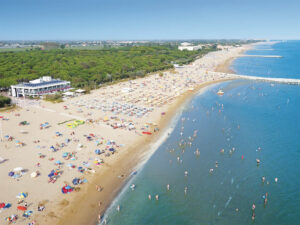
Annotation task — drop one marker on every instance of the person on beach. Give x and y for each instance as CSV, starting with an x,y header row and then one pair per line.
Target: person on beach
x,y
98,188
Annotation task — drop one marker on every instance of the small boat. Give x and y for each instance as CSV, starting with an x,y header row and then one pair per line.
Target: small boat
x,y
220,92
146,132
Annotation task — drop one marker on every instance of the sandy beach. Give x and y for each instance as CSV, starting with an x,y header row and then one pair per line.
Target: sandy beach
x,y
91,142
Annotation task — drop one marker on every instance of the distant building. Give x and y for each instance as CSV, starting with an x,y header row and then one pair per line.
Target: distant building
x,y
223,47
41,86
189,47
177,66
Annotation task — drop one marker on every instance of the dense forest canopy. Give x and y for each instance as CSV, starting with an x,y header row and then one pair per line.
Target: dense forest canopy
x,y
91,67
4,101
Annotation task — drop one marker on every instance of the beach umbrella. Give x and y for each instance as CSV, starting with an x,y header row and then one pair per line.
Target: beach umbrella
x,y
75,181
22,208
97,151
8,205
18,169
21,195
33,174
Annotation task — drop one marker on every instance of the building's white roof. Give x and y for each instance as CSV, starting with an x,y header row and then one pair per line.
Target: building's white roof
x,y
80,91
38,83
185,44
68,93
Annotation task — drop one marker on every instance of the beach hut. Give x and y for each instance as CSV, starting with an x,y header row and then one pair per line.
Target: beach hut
x,y
80,91
69,94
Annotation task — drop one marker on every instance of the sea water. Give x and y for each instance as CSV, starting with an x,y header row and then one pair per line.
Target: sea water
x,y
252,120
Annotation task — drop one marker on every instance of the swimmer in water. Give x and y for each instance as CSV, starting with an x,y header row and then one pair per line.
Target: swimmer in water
x,y
276,179
222,150
211,170
149,196
265,198
185,190
217,164
263,179
186,173
253,207
118,208
253,215
168,187
156,197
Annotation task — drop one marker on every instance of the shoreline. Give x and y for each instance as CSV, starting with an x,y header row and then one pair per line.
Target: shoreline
x,y
83,207
72,216
80,214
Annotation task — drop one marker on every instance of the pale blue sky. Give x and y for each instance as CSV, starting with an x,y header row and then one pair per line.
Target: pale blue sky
x,y
145,19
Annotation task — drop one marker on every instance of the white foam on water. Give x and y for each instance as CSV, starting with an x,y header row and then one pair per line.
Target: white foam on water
x,y
232,180
228,201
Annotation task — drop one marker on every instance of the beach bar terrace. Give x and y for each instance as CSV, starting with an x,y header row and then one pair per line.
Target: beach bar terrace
x,y
41,86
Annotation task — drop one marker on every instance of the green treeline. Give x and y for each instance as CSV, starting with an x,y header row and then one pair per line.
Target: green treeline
x,y
91,67
4,101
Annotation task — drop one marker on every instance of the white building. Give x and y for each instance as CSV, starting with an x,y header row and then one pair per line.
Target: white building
x,y
189,47
41,86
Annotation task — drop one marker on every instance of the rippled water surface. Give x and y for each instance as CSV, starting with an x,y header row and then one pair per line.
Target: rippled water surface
x,y
252,120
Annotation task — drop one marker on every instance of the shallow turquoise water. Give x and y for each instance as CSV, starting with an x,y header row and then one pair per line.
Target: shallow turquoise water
x,y
249,115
